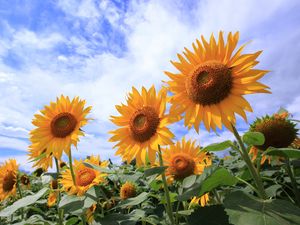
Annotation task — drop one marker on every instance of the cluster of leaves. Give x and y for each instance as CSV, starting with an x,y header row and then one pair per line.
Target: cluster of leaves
x,y
233,199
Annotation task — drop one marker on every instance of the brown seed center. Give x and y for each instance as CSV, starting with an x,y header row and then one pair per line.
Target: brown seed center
x,y
9,181
182,165
143,124
63,124
209,83
85,176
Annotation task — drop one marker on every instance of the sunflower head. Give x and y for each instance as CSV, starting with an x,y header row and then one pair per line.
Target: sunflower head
x,y
40,157
142,125
279,131
52,198
128,190
54,184
58,126
211,82
199,201
62,164
184,159
8,179
85,178
39,171
25,180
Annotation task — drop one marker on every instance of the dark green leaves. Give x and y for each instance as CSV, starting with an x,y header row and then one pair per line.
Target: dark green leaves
x,y
283,152
134,201
244,209
253,138
155,170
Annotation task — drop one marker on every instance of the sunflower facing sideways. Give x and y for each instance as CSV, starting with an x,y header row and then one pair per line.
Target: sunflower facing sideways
x,y
59,126
143,124
8,178
211,82
85,177
39,157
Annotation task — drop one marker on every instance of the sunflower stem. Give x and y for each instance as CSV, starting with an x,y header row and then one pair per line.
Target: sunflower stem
x,y
21,195
256,177
167,194
293,181
71,167
60,212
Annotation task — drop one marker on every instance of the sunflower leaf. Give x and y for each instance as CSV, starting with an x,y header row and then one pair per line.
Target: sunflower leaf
x,y
155,170
98,168
254,138
218,146
283,152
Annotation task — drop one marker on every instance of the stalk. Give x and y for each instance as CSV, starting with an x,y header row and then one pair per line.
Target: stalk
x,y
21,195
256,177
60,212
167,194
293,180
71,167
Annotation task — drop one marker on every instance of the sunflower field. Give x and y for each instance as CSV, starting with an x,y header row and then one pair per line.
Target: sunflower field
x,y
164,179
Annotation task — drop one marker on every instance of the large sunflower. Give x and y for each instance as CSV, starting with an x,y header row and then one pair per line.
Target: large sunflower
x,y
211,82
85,177
58,126
143,126
8,179
184,159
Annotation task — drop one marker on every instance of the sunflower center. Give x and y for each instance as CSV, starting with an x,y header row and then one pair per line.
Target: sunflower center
x,y
182,165
9,181
63,124
278,132
143,124
85,176
209,83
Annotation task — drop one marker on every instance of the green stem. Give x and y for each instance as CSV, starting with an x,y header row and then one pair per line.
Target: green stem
x,y
216,194
256,177
293,180
167,194
60,212
83,219
71,167
245,182
21,195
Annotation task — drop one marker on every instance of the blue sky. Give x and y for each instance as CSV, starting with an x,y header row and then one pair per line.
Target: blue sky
x,y
100,49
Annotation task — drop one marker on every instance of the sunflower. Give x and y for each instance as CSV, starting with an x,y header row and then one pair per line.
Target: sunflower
x,y
8,179
59,126
90,213
143,126
128,190
279,132
52,198
85,177
211,82
40,157
199,201
184,159
25,180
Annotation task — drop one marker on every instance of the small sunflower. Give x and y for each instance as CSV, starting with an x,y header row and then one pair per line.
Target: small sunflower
x,y
90,213
128,190
40,157
59,126
38,172
184,159
199,201
279,132
25,180
8,179
211,82
54,184
143,124
85,177
52,198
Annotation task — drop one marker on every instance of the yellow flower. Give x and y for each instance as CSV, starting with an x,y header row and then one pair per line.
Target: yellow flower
x,y
296,143
8,179
52,198
184,159
39,156
59,126
25,180
143,126
211,82
90,213
128,190
85,177
278,130
201,201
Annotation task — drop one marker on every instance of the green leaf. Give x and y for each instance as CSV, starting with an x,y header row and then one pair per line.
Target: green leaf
x,y
244,209
218,146
283,152
134,201
173,198
253,138
98,168
209,215
211,178
72,203
155,170
189,181
72,221
118,218
26,201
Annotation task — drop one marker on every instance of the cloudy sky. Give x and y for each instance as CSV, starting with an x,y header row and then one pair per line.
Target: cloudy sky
x,y
98,50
